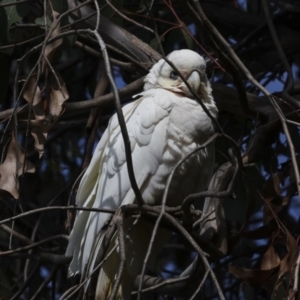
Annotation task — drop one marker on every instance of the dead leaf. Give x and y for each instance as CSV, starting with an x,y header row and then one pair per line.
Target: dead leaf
x,y
274,202
55,31
283,284
272,187
270,259
58,96
33,94
39,140
59,93
12,167
256,277
289,261
253,277
280,289
273,269
271,208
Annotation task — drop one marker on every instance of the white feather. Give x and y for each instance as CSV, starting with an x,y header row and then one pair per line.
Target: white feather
x,y
163,127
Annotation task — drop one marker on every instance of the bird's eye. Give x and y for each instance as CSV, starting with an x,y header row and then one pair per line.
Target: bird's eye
x,y
174,75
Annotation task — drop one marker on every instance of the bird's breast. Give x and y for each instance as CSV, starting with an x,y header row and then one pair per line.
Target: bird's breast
x,y
188,127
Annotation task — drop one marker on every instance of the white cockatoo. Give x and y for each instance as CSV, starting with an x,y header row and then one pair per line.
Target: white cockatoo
x,y
164,124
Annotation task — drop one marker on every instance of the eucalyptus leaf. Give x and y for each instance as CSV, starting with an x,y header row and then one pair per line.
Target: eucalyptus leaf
x,y
154,42
187,38
41,22
15,13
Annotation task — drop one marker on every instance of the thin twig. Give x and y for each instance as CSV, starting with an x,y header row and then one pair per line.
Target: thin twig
x,y
120,119
279,49
237,60
142,65
128,19
219,194
87,278
45,283
122,254
34,245
16,234
42,45
170,178
184,233
70,290
296,274
151,243
12,226
122,64
102,101
163,205
33,272
71,207
98,15
169,281
200,285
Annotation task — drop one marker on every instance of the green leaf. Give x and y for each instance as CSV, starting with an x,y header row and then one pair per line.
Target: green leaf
x,y
187,38
154,42
41,22
15,13
59,6
8,16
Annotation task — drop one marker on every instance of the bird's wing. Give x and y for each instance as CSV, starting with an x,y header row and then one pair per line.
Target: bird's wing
x,y
106,183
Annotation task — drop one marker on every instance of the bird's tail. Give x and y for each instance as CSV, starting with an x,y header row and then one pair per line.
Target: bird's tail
x,y
107,278
136,246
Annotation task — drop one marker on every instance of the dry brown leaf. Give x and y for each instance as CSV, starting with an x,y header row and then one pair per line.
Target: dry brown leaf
x,y
58,96
289,261
270,259
52,47
272,187
271,208
42,123
253,277
273,269
59,93
274,201
39,140
256,277
12,167
33,94
285,277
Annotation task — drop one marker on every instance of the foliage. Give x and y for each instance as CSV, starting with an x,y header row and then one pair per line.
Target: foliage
x,y
56,101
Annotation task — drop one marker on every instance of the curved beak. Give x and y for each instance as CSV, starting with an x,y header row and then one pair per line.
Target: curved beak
x,y
194,82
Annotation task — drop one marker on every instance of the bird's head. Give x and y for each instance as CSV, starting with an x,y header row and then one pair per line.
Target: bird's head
x,y
191,66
